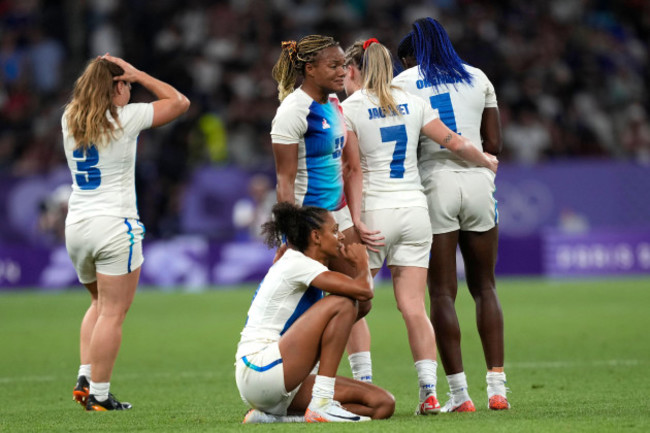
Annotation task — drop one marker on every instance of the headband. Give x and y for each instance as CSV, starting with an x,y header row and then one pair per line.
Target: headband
x,y
369,42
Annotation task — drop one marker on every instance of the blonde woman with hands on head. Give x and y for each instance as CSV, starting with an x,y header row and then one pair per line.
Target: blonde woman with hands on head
x,y
103,231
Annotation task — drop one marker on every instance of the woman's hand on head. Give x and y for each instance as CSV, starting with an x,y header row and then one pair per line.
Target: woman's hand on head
x,y
131,73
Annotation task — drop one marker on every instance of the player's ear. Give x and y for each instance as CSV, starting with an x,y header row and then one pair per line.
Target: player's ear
x,y
315,237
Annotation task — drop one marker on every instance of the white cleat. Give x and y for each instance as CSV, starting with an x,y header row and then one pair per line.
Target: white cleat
x,y
332,412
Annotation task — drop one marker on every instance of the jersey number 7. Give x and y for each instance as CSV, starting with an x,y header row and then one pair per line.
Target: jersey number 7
x,y
397,134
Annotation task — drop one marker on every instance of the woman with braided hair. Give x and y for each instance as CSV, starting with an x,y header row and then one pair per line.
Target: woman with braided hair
x,y
291,327
384,126
462,207
308,136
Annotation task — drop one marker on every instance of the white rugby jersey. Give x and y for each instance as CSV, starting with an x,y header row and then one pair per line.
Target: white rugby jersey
x,y
460,106
284,294
388,146
103,177
319,131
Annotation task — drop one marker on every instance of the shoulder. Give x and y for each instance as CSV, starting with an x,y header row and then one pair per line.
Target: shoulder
x,y
352,100
407,75
296,265
134,110
477,74
297,103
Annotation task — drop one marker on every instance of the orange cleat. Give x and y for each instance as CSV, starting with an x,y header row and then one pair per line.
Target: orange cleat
x,y
498,402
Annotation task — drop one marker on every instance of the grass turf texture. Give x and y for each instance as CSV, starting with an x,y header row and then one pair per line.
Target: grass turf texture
x,y
577,356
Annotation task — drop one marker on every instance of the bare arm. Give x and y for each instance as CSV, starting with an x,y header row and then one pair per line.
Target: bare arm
x,y
286,167
170,104
461,146
353,186
491,131
359,287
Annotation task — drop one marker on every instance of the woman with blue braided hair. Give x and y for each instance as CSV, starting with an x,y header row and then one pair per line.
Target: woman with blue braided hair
x,y
384,125
291,327
462,207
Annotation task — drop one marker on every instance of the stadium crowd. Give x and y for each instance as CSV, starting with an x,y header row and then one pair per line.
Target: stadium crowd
x,y
571,75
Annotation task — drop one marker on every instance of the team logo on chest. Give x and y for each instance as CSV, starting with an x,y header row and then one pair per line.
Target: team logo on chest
x,y
325,124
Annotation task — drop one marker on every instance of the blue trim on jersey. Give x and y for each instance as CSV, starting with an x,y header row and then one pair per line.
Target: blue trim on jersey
x,y
131,242
311,296
324,140
263,368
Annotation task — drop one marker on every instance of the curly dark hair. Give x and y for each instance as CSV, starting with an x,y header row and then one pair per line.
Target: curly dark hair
x,y
294,222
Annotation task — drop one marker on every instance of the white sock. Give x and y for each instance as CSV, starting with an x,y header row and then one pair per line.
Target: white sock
x,y
323,391
458,387
361,366
84,370
99,390
496,383
427,378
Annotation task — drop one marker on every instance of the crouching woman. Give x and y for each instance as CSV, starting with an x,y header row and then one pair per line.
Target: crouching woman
x,y
292,327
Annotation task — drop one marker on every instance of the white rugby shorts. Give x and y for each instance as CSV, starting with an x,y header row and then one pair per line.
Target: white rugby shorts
x,y
461,200
260,380
407,235
343,218
105,244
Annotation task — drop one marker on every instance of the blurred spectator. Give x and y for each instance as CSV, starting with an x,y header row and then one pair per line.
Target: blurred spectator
x,y
51,221
249,213
636,133
582,65
525,138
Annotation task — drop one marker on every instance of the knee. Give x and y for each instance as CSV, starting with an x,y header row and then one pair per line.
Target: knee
x,y
364,308
385,407
342,305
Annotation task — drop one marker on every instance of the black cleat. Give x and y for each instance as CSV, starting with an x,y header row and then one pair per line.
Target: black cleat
x,y
80,391
110,403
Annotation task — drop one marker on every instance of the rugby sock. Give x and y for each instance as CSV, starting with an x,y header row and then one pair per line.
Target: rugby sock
x,y
361,366
84,370
427,378
100,390
323,391
496,383
458,387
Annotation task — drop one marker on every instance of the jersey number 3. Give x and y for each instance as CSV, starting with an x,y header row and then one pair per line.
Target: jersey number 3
x,y
90,176
397,134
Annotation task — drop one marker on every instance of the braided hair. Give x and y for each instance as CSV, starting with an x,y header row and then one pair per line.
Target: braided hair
x,y
438,60
294,222
293,58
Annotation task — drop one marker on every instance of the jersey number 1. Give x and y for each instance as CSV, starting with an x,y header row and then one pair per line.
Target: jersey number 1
x,y
91,176
442,103
397,134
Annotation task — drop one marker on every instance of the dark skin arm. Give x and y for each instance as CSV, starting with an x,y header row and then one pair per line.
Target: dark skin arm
x,y
286,167
359,287
491,131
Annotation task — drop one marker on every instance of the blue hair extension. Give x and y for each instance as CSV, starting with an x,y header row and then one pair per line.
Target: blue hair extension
x,y
438,60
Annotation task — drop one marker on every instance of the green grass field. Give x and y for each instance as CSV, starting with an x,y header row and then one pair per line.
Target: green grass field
x,y
577,358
